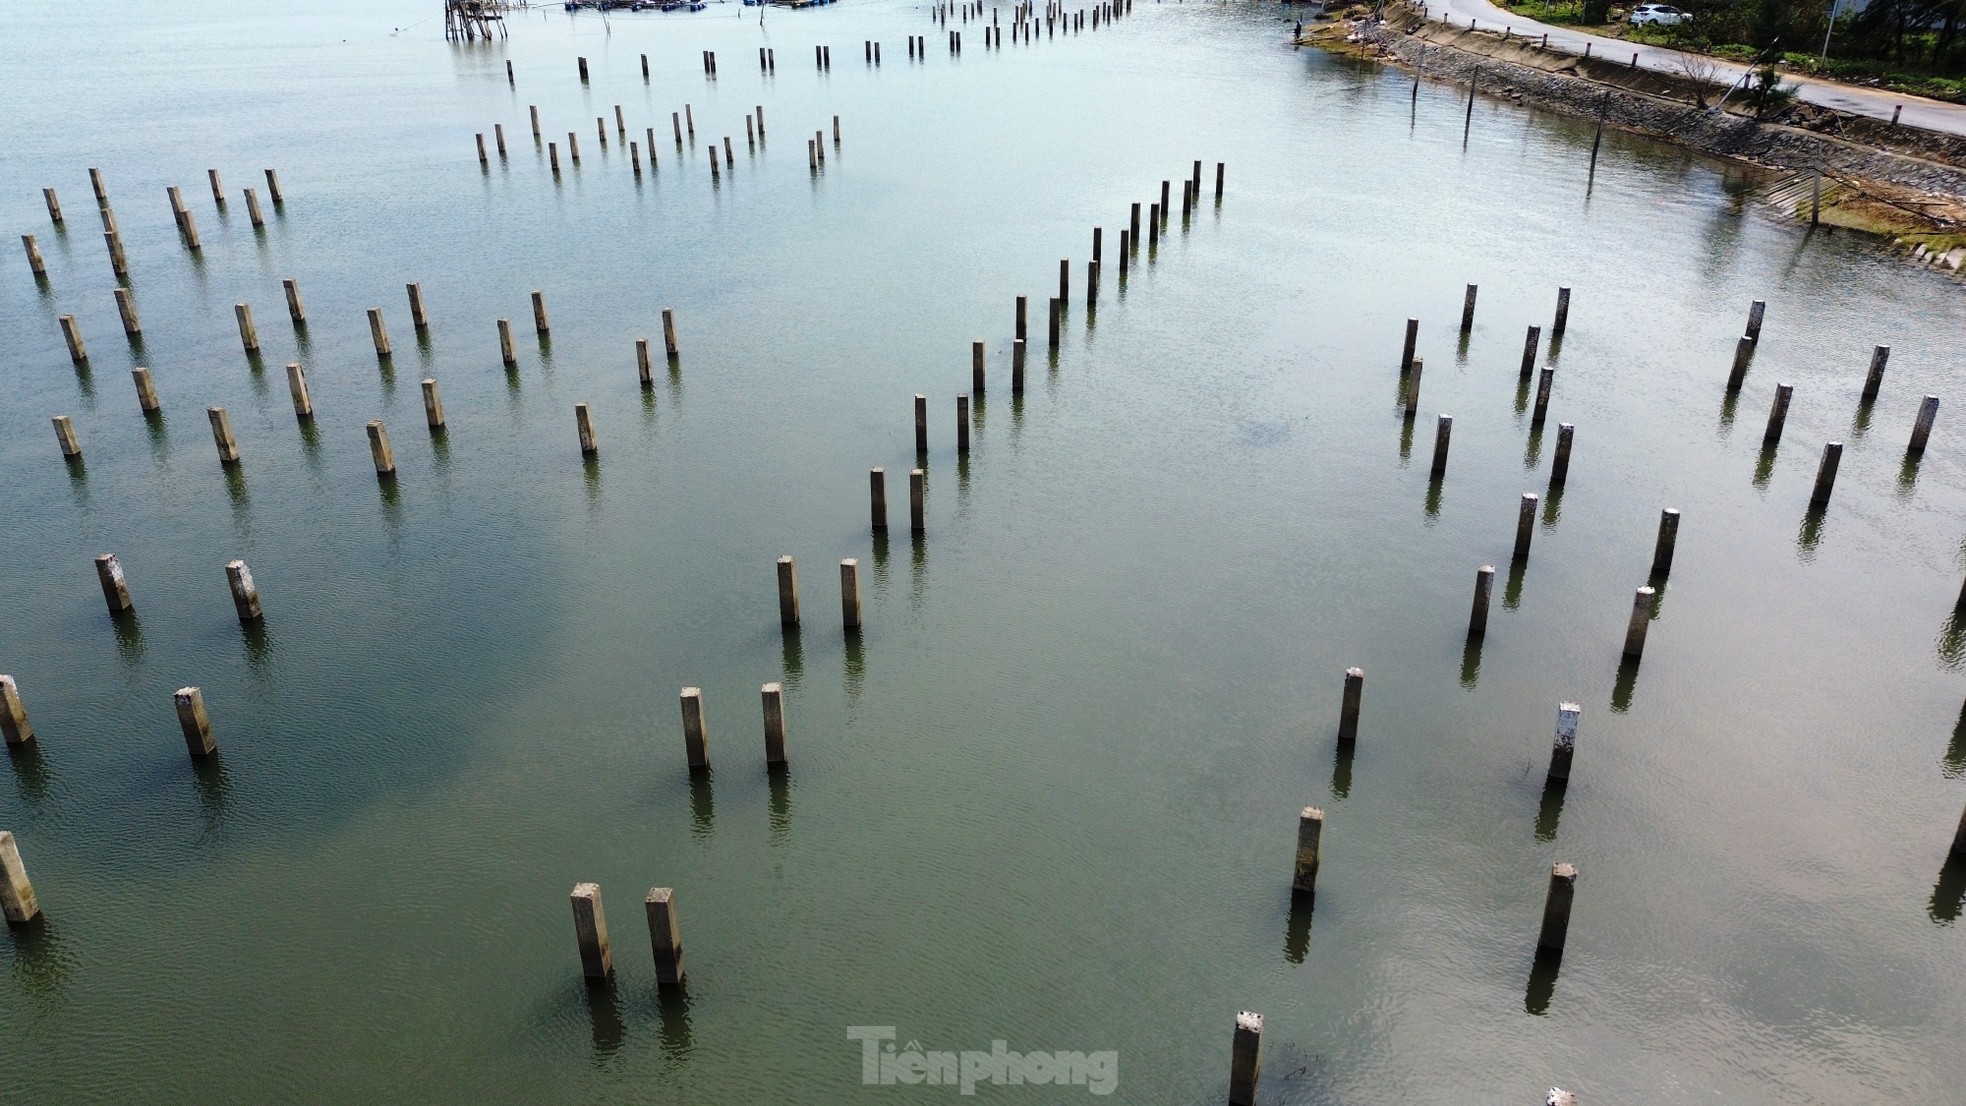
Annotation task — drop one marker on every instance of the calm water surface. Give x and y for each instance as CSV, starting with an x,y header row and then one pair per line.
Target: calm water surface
x,y
1050,795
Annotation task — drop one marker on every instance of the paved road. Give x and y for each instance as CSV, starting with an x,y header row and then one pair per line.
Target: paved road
x,y
1931,115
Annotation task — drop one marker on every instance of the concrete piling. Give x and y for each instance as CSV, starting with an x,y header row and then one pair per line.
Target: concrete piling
x,y
773,696
1640,620
1091,284
378,332
1057,321
379,451
177,207
1412,395
245,594
54,204
1874,379
192,719
1310,835
273,188
1529,343
583,69
1443,433
78,350
295,310
1153,226
1220,168
962,422
13,715
534,110
95,182
1017,366
126,306
498,135
17,900
36,264
1564,748
419,316
297,387
1478,614
665,936
1778,413
1245,1058
850,594
1023,303
1348,708
1468,308
228,446
1412,340
644,363
669,331
1668,539
1743,356
483,157
1560,465
916,521
119,262
65,437
1556,909
1126,250
590,922
248,333
1133,224
573,147
1562,314
976,365
1545,382
1928,411
696,741
1826,475
507,352
689,119
921,423
1756,311
115,586
788,592
620,122
583,421
433,405
146,391
877,498
1525,525
218,190
1064,279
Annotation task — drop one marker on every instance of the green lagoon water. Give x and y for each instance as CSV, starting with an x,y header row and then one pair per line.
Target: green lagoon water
x,y
1049,796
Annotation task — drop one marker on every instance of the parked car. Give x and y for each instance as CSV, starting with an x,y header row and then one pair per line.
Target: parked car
x,y
1659,14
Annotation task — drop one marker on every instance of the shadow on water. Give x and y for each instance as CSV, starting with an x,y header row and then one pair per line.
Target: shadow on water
x,y
1764,466
1810,534
918,571
1341,770
1406,438
31,774
672,1016
41,965
1952,639
880,561
1297,926
779,782
1542,982
856,667
792,656
1434,488
1908,475
1522,394
1626,685
1471,663
129,636
1532,449
1552,506
702,804
214,785
1949,891
591,473
1730,403
1550,813
1512,589
604,1014
259,650
1860,422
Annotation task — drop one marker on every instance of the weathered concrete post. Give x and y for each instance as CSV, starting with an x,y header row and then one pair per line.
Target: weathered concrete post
x,y
1928,411
850,594
507,352
1874,379
17,900
13,715
1565,745
696,740
1525,525
1826,474
95,182
1349,706
539,324
119,263
773,695
877,497
484,158
1220,168
115,586
294,309
921,423
1412,339
916,522
35,262
1558,1096
379,451
644,363
534,109
248,333
65,437
228,446
1467,309
1668,539
433,405
1133,225
1640,620
1413,373
78,350
1545,382
192,719
378,332
583,421
1529,343
1778,413
54,204
1562,314
788,592
126,306
1556,909
273,188
590,922
1017,366
498,132
1756,310
1245,1058
1310,834
665,935
1022,302
1443,432
297,387
1743,356
419,316
146,391
553,158
245,594
1057,319
1560,465
258,216
669,331
962,422
976,363
1064,279
1478,615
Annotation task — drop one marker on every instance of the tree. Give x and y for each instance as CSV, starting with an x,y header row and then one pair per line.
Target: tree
x,y
1766,93
1700,71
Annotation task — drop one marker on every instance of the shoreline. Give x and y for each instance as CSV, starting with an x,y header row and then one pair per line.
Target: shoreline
x,y
1902,184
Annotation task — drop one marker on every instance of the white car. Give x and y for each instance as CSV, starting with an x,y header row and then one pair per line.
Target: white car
x,y
1659,14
